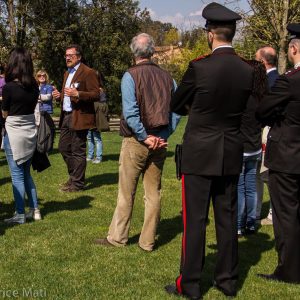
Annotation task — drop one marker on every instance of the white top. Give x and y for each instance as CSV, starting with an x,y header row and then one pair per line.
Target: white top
x,y
67,101
223,46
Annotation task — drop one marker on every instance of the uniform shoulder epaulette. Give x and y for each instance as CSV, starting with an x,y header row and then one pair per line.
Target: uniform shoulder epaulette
x,y
201,57
292,71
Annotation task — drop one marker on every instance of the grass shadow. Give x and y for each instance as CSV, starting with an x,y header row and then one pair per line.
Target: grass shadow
x,y
250,251
113,157
5,180
79,203
167,230
102,179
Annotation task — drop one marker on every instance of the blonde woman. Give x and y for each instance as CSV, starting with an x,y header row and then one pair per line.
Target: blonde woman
x,y
46,89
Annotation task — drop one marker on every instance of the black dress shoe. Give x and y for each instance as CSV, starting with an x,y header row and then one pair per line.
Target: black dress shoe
x,y
226,293
172,290
269,277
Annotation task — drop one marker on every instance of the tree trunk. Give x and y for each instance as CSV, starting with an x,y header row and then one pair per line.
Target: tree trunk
x,y
282,38
11,21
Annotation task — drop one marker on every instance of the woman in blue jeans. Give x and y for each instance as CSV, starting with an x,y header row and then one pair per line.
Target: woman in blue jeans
x,y
251,135
247,195
20,96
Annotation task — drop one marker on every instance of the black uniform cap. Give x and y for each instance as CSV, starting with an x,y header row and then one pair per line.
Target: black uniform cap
x,y
218,14
294,30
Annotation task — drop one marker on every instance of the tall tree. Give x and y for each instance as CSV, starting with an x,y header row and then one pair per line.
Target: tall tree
x,y
268,21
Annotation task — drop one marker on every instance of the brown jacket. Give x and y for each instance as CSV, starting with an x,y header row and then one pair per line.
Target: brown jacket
x,y
83,113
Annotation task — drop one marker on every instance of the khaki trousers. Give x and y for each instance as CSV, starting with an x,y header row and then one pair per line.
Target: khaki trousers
x,y
136,159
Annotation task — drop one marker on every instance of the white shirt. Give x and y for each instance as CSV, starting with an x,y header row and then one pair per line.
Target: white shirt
x,y
223,46
270,70
67,106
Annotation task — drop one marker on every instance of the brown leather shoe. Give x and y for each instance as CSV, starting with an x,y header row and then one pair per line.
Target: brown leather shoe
x,y
103,242
70,189
65,184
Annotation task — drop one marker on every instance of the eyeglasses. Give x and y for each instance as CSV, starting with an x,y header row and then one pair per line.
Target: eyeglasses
x,y
41,75
70,55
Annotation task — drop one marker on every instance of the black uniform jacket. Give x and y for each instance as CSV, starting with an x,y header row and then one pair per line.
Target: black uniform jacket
x,y
214,93
280,109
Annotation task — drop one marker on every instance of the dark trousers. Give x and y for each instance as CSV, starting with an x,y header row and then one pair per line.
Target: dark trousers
x,y
196,194
285,197
72,146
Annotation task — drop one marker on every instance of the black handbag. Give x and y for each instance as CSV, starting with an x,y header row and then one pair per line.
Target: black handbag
x,y
178,156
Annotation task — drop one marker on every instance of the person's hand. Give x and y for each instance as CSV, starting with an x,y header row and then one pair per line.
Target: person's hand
x,y
154,142
56,93
71,92
4,114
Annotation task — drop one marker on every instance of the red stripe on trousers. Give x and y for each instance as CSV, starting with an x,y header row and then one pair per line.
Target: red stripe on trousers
x,y
178,280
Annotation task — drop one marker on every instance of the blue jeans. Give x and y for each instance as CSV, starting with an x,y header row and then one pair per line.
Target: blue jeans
x,y
21,180
94,139
247,196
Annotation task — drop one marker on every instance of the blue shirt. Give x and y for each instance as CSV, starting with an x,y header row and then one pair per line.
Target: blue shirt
x,y
131,111
67,106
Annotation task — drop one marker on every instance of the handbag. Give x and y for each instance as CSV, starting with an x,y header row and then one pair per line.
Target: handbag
x,y
178,157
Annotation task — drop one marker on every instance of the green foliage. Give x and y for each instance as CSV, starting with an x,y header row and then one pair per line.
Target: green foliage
x,y
179,64
172,37
106,29
156,29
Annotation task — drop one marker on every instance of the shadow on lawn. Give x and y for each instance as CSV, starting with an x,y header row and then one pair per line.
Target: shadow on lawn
x,y
3,161
167,230
250,251
82,202
5,180
101,179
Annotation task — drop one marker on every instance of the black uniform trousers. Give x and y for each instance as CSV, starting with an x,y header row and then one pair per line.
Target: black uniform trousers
x,y
285,197
72,146
196,194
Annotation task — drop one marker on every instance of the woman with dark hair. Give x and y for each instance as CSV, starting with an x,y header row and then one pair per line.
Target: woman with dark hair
x,y
20,96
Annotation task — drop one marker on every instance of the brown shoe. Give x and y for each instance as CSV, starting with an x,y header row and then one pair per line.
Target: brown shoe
x,y
65,184
104,242
70,189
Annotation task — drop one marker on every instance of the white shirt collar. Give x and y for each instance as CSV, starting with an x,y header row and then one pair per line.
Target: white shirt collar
x,y
223,46
270,70
77,66
297,65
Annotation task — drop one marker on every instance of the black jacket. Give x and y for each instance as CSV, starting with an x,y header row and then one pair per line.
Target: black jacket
x,y
216,90
280,109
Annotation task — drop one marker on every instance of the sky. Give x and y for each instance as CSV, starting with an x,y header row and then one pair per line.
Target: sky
x,y
184,14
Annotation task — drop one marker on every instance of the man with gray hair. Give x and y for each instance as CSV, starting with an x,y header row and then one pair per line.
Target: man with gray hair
x,y
146,123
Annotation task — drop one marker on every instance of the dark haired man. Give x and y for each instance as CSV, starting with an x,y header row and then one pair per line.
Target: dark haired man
x,y
214,92
80,90
280,109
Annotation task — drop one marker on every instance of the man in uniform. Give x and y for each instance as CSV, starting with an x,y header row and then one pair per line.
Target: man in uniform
x,y
280,109
214,92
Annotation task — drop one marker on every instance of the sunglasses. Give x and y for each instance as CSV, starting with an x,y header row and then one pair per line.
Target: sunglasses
x,y
41,75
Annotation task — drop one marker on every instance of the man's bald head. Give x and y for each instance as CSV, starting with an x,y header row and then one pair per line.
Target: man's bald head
x,y
268,56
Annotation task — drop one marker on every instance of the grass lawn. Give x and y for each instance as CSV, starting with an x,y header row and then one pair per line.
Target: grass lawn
x,y
57,255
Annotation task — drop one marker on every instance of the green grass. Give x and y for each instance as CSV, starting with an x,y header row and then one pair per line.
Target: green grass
x,y
58,256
